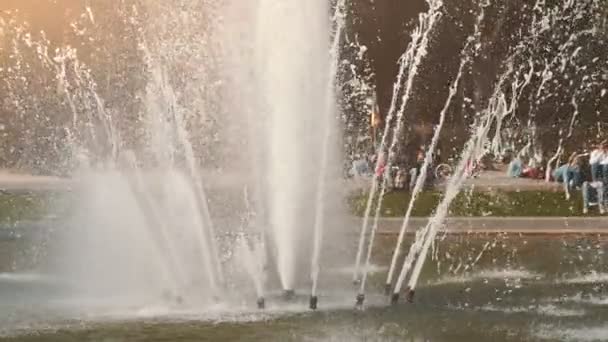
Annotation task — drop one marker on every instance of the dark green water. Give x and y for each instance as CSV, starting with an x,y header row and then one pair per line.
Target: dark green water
x,y
476,288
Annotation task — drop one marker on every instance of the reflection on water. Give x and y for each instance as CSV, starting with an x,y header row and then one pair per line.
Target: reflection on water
x,y
520,289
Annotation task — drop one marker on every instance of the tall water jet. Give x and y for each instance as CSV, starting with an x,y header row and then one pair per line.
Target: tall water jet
x,y
291,76
338,23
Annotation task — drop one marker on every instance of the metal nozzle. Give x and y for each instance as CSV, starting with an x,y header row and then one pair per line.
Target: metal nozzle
x,y
314,300
360,299
289,294
395,298
409,295
387,289
261,303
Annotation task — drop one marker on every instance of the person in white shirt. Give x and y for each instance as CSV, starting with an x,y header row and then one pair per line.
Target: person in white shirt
x,y
594,192
604,163
595,158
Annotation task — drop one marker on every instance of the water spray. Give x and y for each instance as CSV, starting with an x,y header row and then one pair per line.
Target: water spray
x,y
473,148
498,109
467,54
427,21
404,64
174,114
338,20
430,231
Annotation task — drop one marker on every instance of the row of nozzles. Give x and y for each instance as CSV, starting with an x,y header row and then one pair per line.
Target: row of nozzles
x,y
289,295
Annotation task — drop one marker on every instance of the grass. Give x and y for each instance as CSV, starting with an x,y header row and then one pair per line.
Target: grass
x,y
16,207
476,204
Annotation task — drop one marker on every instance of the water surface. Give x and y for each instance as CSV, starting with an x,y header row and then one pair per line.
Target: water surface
x,y
476,288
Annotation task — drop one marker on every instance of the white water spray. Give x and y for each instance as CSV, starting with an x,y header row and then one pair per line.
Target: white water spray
x,y
411,56
471,49
338,20
428,21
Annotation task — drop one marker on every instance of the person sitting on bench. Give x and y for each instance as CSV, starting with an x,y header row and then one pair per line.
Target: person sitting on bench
x,y
594,192
593,195
569,174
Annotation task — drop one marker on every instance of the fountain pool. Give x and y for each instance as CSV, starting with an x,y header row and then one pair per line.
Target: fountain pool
x,y
543,288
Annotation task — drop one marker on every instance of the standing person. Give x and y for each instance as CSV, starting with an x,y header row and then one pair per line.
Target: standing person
x,y
380,170
594,192
375,122
360,167
604,163
415,171
400,179
595,161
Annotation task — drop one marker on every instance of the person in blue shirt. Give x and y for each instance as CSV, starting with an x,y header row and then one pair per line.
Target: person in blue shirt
x,y
361,167
569,174
515,168
596,157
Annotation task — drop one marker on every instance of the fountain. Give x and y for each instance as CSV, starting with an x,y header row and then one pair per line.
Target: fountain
x,y
282,103
289,83
204,141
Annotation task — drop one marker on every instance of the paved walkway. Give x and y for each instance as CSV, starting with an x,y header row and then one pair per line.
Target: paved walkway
x,y
486,181
20,182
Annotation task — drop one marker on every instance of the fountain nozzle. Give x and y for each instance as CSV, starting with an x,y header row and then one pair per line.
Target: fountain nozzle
x,y
314,300
395,298
387,289
409,295
360,299
261,303
289,294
